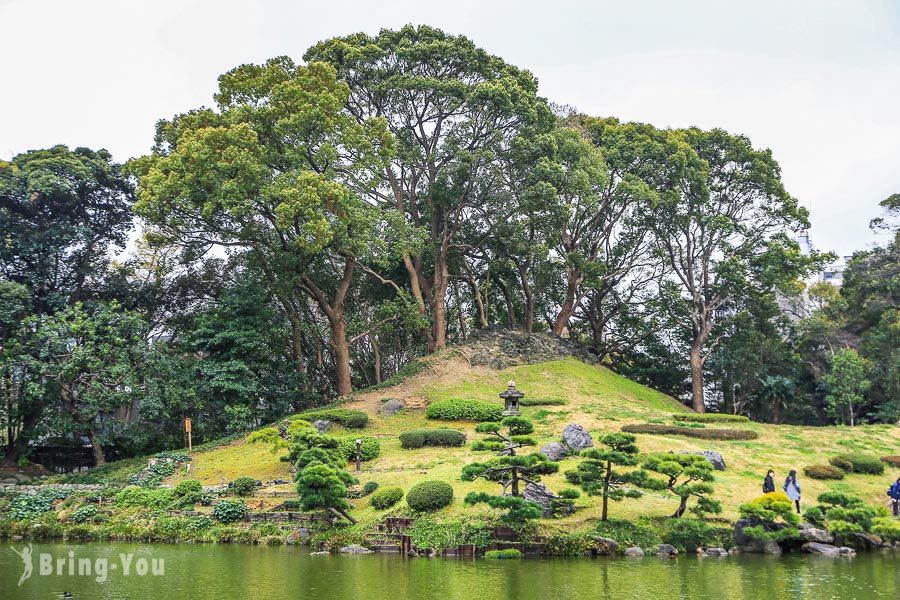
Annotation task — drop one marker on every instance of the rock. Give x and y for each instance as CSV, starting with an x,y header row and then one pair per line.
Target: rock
x,y
714,458
634,551
845,551
354,549
10,481
813,534
321,425
576,438
606,546
390,407
499,348
771,547
322,553
716,552
819,548
860,541
555,451
747,544
666,550
539,494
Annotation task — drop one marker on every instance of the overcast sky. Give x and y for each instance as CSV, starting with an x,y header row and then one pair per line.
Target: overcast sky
x,y
818,82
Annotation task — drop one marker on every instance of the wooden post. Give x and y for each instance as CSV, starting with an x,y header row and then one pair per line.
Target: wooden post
x,y
187,429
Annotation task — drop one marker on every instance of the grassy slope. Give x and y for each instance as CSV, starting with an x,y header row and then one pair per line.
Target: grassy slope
x,y
596,398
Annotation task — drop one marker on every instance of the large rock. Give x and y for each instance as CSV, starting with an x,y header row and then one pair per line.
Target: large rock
x,y
539,494
716,552
745,543
714,458
606,546
322,425
354,549
577,438
819,548
634,551
860,541
814,534
555,451
390,407
666,550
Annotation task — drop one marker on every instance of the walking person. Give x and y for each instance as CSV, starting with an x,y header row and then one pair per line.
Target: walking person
x,y
894,493
792,488
769,482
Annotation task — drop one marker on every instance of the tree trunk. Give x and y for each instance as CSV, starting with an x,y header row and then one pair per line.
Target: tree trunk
x,y
297,343
96,449
515,482
696,360
568,305
605,512
682,507
439,303
377,355
341,349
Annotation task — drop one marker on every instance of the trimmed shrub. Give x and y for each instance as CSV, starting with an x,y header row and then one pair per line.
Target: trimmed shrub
x,y
417,438
266,435
349,418
841,463
386,497
229,511
188,486
706,433
464,410
429,495
541,401
775,514
710,418
869,465
887,529
243,486
370,448
823,472
370,487
893,461
503,554
138,496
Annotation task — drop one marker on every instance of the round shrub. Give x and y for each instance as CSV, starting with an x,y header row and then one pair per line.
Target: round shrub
x,y
823,472
446,438
893,461
464,410
429,495
243,486
229,511
188,486
370,487
841,463
412,439
370,448
386,497
862,463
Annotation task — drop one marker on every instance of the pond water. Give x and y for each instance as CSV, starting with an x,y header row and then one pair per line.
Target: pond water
x,y
270,573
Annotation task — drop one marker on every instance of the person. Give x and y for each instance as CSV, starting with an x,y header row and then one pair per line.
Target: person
x,y
894,493
769,482
792,488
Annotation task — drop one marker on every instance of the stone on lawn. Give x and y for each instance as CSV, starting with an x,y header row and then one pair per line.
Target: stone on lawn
x,y
576,438
321,425
390,407
555,451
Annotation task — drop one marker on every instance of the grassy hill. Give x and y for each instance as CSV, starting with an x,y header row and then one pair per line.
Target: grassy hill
x,y
593,397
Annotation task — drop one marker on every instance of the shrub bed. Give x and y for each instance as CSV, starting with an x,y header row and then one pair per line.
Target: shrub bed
x,y
229,511
464,410
138,496
429,495
823,472
541,401
893,461
860,463
417,438
386,497
370,448
705,433
503,554
710,418
349,418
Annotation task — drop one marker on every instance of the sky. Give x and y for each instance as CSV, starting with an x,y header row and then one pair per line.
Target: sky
x,y
817,82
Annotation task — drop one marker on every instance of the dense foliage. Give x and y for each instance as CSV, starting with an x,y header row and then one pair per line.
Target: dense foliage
x,y
418,438
427,496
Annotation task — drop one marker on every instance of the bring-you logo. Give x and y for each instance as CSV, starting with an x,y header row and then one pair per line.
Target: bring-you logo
x,y
100,569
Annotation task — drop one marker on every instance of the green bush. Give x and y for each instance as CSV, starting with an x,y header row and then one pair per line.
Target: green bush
x,y
370,448
417,438
841,463
870,465
464,410
893,461
429,533
690,534
706,434
710,418
541,401
370,487
887,529
503,554
138,496
229,511
427,496
177,456
351,419
775,513
266,435
188,486
386,497
243,486
823,472
486,446
627,533
84,513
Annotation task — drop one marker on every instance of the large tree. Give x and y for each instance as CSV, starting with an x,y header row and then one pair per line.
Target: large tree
x,y
453,109
265,173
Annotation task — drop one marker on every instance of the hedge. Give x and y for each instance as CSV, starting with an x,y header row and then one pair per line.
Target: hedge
x,y
710,418
893,461
541,401
503,554
369,449
417,438
429,495
706,433
464,410
352,419
823,472
385,497
843,464
862,463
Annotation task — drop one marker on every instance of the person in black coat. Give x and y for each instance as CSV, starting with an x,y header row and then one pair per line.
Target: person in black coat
x,y
769,482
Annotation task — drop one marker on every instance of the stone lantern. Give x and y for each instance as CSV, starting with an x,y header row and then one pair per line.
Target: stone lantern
x,y
511,400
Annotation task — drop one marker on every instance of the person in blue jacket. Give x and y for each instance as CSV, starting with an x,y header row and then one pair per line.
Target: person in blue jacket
x,y
894,493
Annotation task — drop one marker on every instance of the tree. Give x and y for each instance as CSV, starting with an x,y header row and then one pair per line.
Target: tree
x,y
264,174
518,510
686,475
320,486
847,385
598,476
509,470
453,108
723,232
515,436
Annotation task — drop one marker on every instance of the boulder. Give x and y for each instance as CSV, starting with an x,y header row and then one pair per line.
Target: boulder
x,y
390,407
819,548
860,541
666,550
539,494
321,425
814,534
716,552
577,438
322,553
746,543
845,551
634,551
714,458
555,451
606,546
354,549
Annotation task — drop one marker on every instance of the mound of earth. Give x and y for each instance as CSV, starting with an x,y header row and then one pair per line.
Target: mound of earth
x,y
499,348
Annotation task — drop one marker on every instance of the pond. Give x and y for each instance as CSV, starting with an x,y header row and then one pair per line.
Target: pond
x,y
269,573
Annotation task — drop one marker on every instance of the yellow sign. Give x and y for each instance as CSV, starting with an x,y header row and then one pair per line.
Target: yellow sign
x,y
187,425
